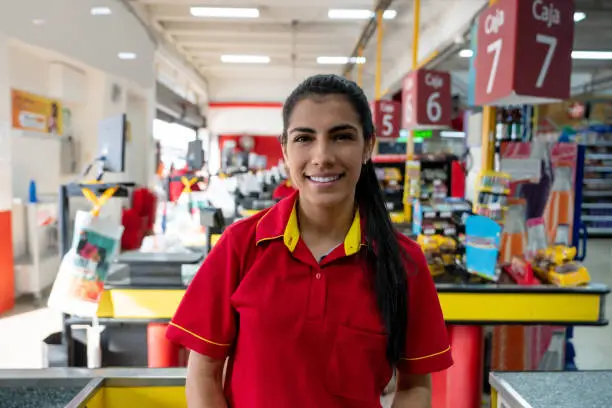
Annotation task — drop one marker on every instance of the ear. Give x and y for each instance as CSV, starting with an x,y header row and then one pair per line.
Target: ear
x,y
368,149
284,149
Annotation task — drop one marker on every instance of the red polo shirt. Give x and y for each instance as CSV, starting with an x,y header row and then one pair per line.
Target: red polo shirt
x,y
302,333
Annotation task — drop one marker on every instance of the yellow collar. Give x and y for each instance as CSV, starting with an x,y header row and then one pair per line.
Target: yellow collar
x,y
281,221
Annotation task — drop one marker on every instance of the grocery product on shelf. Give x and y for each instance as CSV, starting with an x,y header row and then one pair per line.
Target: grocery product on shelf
x,y
492,195
556,265
514,234
560,206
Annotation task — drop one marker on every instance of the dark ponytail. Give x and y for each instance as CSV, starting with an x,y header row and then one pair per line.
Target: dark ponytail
x,y
384,255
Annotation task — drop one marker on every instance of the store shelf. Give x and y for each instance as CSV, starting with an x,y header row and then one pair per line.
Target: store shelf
x,y
598,156
596,209
599,231
597,217
598,194
598,169
596,206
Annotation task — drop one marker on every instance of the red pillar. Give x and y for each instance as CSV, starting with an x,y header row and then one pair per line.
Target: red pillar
x,y
461,385
161,352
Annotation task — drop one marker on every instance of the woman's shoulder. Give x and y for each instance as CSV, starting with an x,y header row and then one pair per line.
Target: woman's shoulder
x,y
407,244
244,230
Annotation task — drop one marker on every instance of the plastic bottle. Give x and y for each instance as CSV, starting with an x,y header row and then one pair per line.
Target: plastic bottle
x,y
560,206
32,196
514,234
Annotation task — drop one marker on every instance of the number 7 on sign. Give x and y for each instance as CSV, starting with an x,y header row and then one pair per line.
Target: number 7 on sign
x,y
495,46
552,45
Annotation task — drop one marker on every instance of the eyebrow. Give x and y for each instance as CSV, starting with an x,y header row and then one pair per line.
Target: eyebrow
x,y
337,128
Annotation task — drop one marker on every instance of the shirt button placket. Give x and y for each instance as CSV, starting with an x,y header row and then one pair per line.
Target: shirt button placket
x,y
318,291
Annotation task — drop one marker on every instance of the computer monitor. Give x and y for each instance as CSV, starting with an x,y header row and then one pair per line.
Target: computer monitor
x,y
112,133
195,155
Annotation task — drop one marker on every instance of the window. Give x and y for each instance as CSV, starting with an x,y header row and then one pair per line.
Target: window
x,y
173,139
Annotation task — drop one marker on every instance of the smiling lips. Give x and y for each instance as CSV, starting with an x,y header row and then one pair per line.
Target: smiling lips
x,y
325,179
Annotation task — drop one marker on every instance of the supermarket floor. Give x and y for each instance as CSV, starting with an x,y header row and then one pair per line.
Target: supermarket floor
x,y
24,328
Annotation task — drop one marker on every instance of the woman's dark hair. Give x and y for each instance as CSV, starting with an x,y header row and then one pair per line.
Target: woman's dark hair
x,y
386,258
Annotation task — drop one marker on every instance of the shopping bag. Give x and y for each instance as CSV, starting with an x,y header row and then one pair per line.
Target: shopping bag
x,y
84,269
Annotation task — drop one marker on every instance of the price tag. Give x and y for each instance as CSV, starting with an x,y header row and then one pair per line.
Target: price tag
x,y
387,118
429,215
426,99
524,52
445,214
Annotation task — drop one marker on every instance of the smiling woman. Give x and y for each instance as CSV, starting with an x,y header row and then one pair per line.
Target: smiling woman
x,y
317,300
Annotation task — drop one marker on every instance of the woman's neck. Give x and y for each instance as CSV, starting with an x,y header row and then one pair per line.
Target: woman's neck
x,y
327,225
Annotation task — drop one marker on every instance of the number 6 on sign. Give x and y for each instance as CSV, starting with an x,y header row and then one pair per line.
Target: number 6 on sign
x,y
552,45
495,46
434,110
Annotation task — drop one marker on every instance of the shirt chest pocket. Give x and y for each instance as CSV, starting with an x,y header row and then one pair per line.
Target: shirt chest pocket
x,y
357,367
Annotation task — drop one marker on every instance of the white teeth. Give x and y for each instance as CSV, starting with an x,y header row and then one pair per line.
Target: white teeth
x,y
324,179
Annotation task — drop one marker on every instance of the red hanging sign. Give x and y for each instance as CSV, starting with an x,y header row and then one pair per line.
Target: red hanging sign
x,y
387,118
524,52
426,99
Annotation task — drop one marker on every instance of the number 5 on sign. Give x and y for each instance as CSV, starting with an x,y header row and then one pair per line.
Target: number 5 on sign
x,y
552,45
387,117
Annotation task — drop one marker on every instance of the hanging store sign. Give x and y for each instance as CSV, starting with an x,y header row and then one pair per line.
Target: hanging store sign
x,y
426,99
36,113
387,118
524,52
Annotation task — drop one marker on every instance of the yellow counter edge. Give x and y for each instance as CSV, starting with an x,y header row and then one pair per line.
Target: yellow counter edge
x,y
457,306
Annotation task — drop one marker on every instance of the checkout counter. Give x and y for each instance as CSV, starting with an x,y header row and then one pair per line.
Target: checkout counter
x,y
574,389
161,388
99,388
133,302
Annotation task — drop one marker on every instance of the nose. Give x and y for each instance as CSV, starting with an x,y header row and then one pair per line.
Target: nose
x,y
322,153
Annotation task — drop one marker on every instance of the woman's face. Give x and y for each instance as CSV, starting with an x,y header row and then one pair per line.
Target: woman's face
x,y
325,149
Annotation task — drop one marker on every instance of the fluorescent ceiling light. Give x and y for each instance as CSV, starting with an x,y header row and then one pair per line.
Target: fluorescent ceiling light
x,y
38,21
579,16
245,59
340,60
224,12
126,55
101,11
579,55
358,14
592,55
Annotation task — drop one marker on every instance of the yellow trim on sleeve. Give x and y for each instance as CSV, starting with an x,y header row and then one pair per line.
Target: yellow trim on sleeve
x,y
198,337
428,356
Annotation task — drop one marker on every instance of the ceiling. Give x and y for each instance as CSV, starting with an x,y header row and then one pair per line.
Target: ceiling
x,y
292,33
55,26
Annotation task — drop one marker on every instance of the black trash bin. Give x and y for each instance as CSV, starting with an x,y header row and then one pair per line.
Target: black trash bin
x,y
55,352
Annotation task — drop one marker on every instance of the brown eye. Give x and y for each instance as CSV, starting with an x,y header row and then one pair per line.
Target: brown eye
x,y
344,136
301,138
